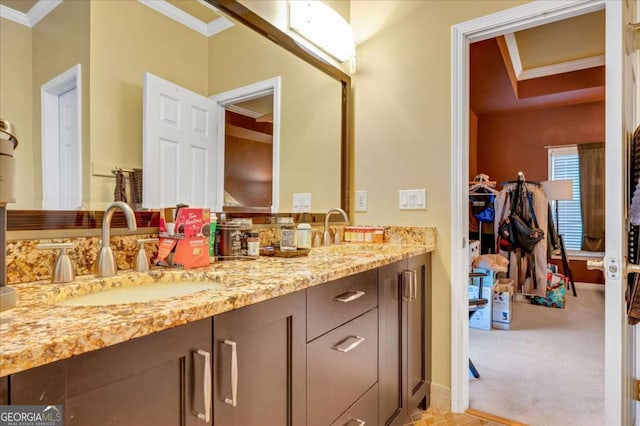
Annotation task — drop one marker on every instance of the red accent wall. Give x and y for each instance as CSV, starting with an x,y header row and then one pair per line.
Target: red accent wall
x,y
515,141
473,144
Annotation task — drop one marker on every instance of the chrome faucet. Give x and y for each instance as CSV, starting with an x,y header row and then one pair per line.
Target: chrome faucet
x,y
326,237
106,265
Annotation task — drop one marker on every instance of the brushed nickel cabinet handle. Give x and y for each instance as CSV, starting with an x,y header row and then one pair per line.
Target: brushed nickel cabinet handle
x,y
414,281
206,386
357,340
349,296
234,374
353,421
406,284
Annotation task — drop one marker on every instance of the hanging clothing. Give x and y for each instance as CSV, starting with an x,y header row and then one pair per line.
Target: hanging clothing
x,y
528,271
120,191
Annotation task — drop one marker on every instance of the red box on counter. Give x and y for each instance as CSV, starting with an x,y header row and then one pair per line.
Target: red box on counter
x,y
189,246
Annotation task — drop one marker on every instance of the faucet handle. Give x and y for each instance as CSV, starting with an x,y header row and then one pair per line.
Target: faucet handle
x,y
141,263
63,271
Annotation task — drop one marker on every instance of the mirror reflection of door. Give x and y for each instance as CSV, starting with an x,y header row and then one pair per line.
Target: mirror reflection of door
x,y
248,160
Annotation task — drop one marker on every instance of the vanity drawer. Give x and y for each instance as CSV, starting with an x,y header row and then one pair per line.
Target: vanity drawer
x,y
334,303
363,412
341,366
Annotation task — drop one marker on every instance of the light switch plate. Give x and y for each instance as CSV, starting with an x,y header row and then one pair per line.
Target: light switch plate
x,y
412,199
361,201
301,202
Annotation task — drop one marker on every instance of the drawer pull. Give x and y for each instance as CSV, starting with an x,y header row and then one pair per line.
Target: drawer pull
x,y
349,296
234,374
355,422
206,384
356,341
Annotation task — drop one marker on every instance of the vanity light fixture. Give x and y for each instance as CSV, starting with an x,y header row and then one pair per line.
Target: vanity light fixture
x,y
324,27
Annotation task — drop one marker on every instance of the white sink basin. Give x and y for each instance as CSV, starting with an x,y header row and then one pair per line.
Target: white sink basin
x,y
141,293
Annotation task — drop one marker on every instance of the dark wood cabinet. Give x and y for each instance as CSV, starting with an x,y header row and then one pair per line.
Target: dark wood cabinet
x,y
342,365
260,363
353,350
160,379
405,336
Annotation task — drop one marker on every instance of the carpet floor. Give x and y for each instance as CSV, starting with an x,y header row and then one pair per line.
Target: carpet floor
x,y
548,369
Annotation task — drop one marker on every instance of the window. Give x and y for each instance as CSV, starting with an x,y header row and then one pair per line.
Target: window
x,y
563,164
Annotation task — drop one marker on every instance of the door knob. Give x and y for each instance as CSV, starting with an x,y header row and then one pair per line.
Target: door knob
x,y
594,265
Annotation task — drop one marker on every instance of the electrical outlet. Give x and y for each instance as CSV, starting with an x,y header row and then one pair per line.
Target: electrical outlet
x,y
361,201
301,202
412,199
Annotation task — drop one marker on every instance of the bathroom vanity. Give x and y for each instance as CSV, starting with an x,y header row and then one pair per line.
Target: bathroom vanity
x,y
341,337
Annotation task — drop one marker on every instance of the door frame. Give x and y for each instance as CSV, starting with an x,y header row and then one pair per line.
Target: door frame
x,y
50,93
617,353
241,94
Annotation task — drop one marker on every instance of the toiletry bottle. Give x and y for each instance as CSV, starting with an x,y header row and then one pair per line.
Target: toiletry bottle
x,y
213,222
304,236
253,244
287,234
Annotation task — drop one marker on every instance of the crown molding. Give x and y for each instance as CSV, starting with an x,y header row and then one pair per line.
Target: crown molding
x,y
218,26
184,18
33,16
41,9
547,70
14,16
243,111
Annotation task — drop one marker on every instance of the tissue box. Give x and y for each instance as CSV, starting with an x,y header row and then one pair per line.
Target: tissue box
x,y
482,317
502,303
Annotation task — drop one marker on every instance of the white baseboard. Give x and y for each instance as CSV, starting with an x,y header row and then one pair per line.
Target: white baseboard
x,y
589,286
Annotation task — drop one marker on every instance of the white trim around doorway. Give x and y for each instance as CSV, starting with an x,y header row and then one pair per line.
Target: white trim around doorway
x,y
462,35
241,94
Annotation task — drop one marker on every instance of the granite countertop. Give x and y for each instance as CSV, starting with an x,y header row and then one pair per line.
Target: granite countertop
x,y
37,331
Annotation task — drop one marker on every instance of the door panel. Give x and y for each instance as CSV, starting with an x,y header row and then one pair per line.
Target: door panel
x,y
418,334
269,340
178,145
391,382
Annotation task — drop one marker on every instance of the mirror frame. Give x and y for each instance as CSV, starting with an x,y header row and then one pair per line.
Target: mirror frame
x,y
33,220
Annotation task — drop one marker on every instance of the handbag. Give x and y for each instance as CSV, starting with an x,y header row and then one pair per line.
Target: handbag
x,y
514,231
506,237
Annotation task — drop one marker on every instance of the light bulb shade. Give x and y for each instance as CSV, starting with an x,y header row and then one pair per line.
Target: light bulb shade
x,y
561,189
324,27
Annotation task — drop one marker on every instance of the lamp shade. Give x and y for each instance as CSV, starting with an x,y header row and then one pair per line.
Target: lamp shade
x,y
561,189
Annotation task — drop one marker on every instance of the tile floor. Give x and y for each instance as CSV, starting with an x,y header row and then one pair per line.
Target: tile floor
x,y
444,417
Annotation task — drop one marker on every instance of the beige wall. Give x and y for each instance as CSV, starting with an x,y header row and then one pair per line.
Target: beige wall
x,y
310,111
402,97
16,105
143,40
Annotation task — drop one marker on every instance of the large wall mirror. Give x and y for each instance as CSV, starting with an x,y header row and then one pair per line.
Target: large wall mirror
x,y
81,69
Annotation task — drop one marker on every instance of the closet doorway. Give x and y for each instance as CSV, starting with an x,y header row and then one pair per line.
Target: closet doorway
x,y
620,94
532,105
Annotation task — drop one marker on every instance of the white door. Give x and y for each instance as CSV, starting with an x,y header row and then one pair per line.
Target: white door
x,y
69,152
178,146
62,141
621,99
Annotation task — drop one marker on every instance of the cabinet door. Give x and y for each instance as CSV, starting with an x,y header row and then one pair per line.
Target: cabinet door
x,y
154,380
419,333
260,363
392,367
